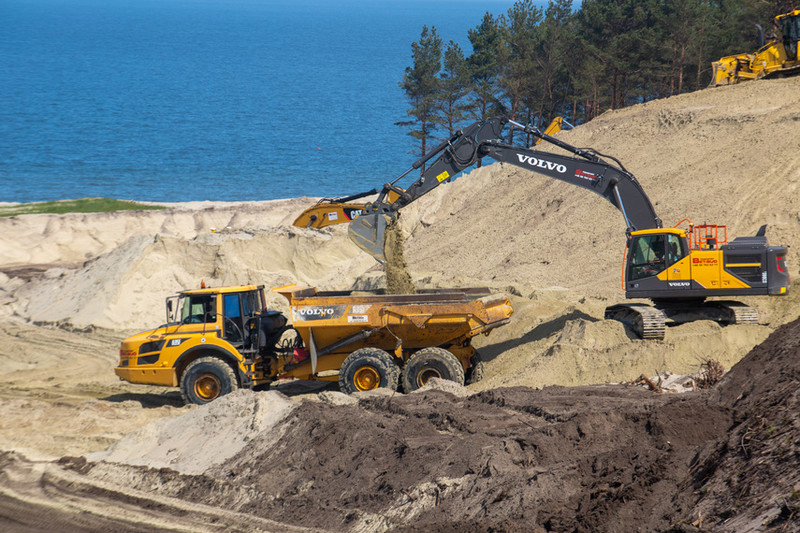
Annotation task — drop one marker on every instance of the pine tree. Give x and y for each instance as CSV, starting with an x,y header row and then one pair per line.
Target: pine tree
x,y
518,77
607,54
557,38
422,87
454,85
485,62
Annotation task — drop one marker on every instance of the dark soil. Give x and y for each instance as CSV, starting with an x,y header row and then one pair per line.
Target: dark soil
x,y
586,459
750,478
603,458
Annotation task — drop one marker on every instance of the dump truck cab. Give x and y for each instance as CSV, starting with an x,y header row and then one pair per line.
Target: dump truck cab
x,y
223,325
228,309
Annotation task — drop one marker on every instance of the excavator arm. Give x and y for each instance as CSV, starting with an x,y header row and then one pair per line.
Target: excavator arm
x,y
584,168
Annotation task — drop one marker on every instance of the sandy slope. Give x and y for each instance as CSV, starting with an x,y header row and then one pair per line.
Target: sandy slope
x,y
71,286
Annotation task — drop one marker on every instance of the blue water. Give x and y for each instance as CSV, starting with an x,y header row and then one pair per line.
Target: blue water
x,y
178,100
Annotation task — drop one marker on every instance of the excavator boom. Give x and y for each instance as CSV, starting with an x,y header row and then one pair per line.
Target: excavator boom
x,y
586,169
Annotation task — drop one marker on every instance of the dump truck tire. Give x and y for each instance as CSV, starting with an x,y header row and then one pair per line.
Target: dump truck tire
x,y
430,363
206,379
474,373
368,369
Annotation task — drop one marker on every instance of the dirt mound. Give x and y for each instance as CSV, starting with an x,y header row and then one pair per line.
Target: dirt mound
x,y
205,437
601,458
711,156
749,480
125,288
591,458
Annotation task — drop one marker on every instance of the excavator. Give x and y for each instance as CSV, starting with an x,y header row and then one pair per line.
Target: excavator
x,y
678,270
774,58
330,211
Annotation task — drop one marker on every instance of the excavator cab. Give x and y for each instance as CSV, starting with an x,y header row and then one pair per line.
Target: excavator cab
x,y
671,263
652,252
657,263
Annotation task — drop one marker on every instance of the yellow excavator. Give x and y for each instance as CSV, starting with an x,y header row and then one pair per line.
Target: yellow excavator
x,y
774,58
330,211
677,269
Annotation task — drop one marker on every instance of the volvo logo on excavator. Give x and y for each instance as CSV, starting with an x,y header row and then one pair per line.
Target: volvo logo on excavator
x,y
542,163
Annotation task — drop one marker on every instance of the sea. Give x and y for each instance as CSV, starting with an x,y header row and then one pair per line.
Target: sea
x,y
222,100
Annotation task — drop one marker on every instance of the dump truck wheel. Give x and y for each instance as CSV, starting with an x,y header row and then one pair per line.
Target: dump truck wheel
x,y
206,379
368,369
474,373
430,363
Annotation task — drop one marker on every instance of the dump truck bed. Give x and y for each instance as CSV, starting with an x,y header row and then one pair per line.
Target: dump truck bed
x,y
334,324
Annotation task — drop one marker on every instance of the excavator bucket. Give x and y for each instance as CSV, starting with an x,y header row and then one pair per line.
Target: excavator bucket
x,y
368,232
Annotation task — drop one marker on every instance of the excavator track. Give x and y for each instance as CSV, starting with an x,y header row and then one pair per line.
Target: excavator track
x,y
651,322
737,312
646,321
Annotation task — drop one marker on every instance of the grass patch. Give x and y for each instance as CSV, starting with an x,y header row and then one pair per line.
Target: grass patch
x,y
81,205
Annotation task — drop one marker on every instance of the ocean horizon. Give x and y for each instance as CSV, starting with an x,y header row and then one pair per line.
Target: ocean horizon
x,y
179,100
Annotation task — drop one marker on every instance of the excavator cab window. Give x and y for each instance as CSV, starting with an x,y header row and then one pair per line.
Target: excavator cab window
x,y
651,254
676,249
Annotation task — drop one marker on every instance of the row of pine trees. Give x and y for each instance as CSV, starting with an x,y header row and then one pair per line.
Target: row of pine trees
x,y
531,64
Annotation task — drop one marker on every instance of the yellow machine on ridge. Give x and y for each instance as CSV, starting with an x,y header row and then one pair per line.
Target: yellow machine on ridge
x,y
774,58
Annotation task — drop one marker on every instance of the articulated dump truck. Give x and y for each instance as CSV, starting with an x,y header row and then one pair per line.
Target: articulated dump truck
x,y
217,340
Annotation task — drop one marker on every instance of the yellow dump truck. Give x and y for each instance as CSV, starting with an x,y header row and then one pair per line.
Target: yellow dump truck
x,y
217,340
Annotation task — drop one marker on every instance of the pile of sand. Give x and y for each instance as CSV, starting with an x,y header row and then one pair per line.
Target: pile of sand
x,y
203,438
125,287
70,239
